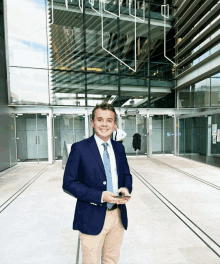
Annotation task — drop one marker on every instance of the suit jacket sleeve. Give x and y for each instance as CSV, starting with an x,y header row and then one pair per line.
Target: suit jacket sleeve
x,y
73,179
127,175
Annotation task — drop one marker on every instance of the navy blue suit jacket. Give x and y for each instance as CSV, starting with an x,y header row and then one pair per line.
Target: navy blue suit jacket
x,y
85,179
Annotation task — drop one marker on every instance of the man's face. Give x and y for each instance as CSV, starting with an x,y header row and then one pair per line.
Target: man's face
x,y
104,123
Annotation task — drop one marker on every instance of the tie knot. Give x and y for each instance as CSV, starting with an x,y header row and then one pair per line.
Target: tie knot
x,y
105,145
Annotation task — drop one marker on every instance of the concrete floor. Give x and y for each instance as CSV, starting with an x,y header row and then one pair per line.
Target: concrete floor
x,y
36,227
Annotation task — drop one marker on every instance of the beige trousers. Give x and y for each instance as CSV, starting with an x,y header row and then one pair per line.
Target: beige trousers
x,y
106,245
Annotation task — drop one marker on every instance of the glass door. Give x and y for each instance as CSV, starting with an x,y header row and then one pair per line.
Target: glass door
x,y
26,135
157,134
162,134
42,142
31,136
142,130
128,124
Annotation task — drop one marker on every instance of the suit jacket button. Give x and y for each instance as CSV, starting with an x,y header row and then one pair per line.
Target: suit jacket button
x,y
104,182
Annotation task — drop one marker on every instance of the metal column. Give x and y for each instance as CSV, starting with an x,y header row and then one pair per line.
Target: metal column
x,y
50,137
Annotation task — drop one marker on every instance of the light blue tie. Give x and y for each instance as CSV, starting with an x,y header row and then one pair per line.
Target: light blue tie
x,y
107,167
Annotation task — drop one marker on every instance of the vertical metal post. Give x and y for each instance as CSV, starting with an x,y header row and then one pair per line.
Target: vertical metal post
x,y
149,44
16,144
50,137
85,55
149,133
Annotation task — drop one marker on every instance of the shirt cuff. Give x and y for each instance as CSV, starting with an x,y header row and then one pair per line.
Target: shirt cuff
x,y
101,198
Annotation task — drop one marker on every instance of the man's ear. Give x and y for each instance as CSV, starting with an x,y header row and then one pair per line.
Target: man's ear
x,y
92,122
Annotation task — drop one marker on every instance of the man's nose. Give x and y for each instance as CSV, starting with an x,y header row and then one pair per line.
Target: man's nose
x,y
104,123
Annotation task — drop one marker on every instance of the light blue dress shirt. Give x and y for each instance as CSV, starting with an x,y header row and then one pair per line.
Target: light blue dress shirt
x,y
111,153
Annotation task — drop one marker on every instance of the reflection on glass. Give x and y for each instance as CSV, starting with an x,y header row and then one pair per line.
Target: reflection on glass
x,y
168,134
31,131
215,148
27,41
42,142
157,134
129,126
29,86
193,136
69,128
215,91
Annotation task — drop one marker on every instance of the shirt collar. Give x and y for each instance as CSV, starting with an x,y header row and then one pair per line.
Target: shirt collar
x,y
99,141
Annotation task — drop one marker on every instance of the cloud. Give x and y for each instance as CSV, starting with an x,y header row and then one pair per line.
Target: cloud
x,y
25,18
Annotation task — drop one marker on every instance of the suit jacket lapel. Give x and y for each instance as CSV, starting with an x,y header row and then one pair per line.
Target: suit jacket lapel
x,y
117,158
94,149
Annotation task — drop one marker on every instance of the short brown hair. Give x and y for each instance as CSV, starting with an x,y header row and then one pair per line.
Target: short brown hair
x,y
104,106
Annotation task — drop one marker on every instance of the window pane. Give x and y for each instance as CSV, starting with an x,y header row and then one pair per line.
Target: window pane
x,y
27,41
29,86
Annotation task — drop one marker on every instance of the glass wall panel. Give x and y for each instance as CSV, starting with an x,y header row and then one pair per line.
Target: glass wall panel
x,y
29,86
129,126
142,130
202,94
48,35
31,134
181,136
215,91
27,39
168,134
157,134
67,88
69,128
193,136
215,145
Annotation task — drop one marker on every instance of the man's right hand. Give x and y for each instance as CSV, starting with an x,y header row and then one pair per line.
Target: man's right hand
x,y
112,198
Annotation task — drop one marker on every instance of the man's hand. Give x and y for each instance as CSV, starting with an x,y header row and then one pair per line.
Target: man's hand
x,y
112,198
125,192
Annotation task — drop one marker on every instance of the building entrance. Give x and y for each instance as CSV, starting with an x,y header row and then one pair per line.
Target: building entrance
x,y
31,136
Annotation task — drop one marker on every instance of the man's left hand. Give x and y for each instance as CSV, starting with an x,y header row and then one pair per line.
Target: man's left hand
x,y
125,192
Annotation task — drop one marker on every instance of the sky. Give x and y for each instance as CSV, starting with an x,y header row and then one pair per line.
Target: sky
x,y
27,42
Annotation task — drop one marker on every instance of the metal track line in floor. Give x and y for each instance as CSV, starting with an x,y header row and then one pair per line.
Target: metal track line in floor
x,y
21,190
211,243
158,162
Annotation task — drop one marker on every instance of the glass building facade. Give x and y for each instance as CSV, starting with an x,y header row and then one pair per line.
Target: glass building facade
x,y
61,54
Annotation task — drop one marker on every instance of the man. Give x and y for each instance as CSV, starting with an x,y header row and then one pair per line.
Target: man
x,y
96,172
119,134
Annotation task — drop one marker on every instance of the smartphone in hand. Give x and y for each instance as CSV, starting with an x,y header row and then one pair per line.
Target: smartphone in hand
x,y
122,196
